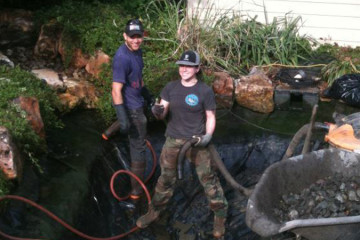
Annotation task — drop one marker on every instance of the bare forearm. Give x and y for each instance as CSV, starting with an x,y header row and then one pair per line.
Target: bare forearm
x,y
210,122
116,93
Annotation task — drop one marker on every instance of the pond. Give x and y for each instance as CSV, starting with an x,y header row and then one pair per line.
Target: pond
x,y
79,166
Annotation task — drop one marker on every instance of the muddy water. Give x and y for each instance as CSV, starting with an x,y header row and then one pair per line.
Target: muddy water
x,y
80,164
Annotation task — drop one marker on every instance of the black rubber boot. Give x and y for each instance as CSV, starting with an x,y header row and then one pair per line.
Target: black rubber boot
x,y
138,168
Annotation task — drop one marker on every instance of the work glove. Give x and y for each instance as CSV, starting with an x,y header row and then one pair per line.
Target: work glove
x,y
148,97
157,110
203,140
122,118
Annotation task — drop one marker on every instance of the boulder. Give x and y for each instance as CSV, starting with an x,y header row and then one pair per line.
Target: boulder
x,y
255,91
95,63
17,19
51,77
17,28
31,106
10,159
47,44
77,59
223,87
4,60
78,93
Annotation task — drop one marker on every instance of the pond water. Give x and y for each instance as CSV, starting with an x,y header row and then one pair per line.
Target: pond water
x,y
78,168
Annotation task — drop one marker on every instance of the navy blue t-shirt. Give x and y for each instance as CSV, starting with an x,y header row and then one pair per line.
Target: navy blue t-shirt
x,y
187,106
127,69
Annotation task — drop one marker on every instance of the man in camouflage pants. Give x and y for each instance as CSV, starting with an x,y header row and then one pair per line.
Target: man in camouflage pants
x,y
191,107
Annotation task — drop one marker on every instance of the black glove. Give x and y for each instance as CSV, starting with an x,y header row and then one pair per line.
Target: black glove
x,y
203,140
148,97
122,118
157,110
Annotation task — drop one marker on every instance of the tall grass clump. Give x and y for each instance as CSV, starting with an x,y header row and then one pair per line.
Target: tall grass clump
x,y
226,41
343,60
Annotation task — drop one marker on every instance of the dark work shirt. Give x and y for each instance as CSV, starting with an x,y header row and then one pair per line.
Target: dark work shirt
x,y
187,106
127,69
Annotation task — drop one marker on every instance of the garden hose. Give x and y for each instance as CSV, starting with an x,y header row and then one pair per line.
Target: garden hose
x,y
293,66
110,131
216,158
75,231
70,228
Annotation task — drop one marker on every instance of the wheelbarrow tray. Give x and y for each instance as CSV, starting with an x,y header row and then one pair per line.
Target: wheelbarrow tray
x,y
293,175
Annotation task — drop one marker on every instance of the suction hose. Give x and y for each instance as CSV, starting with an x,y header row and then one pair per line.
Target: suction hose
x,y
110,131
216,158
300,134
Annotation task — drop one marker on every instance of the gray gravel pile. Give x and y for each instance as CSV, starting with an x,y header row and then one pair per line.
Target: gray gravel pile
x,y
334,196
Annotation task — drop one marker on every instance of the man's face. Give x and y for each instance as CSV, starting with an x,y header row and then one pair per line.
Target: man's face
x,y
133,42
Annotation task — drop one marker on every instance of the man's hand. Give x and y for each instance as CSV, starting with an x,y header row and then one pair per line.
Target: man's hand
x,y
203,140
157,110
122,118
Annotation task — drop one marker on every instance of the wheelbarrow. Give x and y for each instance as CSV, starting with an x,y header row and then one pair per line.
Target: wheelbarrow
x,y
294,175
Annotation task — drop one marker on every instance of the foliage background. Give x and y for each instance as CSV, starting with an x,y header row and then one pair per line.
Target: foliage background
x,y
225,43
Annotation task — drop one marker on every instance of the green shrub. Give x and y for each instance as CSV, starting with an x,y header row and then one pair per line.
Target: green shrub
x,y
342,60
89,26
5,185
225,43
14,83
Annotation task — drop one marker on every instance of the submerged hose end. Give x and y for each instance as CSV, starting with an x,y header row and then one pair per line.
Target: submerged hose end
x,y
104,137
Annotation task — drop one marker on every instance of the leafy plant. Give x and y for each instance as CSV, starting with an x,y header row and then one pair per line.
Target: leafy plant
x,y
14,83
342,60
89,26
5,185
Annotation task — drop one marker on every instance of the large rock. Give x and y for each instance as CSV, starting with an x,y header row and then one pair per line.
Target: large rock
x,y
78,94
10,159
17,19
255,91
31,106
96,62
47,44
223,87
17,28
51,77
4,60
75,59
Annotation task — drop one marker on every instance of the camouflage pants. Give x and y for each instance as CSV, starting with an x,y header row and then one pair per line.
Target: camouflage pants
x,y
200,156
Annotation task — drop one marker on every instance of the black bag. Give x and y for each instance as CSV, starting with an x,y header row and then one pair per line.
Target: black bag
x,y
346,88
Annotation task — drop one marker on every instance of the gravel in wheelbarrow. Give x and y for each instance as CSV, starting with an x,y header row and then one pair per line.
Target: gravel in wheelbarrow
x,y
313,195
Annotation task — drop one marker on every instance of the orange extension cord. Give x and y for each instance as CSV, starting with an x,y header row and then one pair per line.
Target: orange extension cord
x,y
75,231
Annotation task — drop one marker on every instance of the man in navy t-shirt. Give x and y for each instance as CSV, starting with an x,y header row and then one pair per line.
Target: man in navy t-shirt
x,y
128,93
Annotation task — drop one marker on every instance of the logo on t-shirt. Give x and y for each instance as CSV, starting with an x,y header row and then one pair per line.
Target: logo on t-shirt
x,y
192,100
